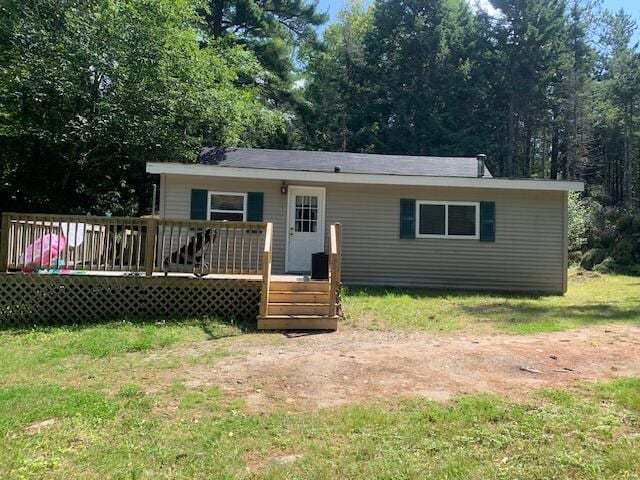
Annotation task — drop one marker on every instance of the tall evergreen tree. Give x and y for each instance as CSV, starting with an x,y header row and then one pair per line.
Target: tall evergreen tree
x,y
334,83
275,30
531,37
618,124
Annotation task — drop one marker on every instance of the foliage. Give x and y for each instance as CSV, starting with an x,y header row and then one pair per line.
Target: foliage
x,y
614,233
608,265
592,258
399,78
535,87
578,211
90,90
276,31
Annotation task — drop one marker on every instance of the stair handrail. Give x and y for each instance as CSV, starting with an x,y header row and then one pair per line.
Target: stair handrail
x,y
335,267
266,269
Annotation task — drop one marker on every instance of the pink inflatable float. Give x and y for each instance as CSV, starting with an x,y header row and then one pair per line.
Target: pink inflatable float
x,y
43,252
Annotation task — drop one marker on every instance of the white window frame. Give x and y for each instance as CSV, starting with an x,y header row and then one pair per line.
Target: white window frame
x,y
446,204
231,194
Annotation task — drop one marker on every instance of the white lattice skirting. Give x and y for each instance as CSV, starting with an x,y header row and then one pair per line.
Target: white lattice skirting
x,y
58,300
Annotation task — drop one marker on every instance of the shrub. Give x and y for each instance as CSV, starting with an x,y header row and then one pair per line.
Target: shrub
x,y
577,225
625,252
608,265
610,232
575,257
592,258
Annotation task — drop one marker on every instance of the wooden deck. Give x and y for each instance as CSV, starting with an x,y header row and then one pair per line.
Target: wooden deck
x,y
97,247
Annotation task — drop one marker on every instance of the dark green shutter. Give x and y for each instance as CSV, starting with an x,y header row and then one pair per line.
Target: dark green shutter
x,y
198,204
487,221
255,202
407,218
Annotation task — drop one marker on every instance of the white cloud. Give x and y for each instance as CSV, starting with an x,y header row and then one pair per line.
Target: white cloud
x,y
484,5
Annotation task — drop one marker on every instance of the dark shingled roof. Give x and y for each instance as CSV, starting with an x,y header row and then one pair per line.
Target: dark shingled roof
x,y
310,161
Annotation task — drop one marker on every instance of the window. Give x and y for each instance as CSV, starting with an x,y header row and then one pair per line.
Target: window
x,y
227,206
306,213
447,219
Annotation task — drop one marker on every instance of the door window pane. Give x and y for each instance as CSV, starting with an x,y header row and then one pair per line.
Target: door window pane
x,y
306,213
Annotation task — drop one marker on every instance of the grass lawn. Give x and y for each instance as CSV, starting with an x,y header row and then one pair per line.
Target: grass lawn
x,y
591,299
73,404
57,421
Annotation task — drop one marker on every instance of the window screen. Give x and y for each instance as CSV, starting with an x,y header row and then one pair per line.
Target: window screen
x,y
462,220
432,219
227,206
447,219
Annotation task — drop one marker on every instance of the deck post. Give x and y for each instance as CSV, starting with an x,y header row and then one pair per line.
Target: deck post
x,y
335,258
266,270
4,243
150,247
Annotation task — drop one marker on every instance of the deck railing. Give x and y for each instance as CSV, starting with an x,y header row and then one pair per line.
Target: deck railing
x,y
35,242
335,267
266,271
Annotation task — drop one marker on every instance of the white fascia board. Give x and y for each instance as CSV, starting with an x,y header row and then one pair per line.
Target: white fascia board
x,y
362,178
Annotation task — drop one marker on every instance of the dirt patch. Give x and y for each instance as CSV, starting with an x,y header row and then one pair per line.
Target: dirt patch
x,y
349,366
581,276
40,426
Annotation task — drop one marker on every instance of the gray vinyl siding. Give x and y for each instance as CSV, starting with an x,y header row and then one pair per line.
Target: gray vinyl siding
x,y
528,254
177,198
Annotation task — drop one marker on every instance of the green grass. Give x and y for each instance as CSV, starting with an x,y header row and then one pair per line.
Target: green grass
x,y
107,353
108,415
591,299
588,435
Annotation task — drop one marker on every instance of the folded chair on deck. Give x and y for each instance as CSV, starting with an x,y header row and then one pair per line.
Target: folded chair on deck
x,y
192,252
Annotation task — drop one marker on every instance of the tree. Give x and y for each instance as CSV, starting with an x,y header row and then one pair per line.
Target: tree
x,y
274,30
401,77
532,38
90,90
578,87
334,81
618,125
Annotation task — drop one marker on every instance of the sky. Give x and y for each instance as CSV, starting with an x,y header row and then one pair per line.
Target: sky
x,y
632,7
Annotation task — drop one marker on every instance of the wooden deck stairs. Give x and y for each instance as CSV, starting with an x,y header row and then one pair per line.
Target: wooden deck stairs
x,y
298,303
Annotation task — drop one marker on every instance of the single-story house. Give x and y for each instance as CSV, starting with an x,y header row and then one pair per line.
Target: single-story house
x,y
413,221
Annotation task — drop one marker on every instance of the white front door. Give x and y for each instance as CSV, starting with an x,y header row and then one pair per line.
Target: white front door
x,y
305,227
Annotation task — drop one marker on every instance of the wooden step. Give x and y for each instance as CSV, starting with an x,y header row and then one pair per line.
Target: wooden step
x,y
298,297
310,286
297,322
287,308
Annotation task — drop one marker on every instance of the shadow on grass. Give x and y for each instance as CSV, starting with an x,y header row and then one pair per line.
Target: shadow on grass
x,y
536,311
426,293
518,313
213,328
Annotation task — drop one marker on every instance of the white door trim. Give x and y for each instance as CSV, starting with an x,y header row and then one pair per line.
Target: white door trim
x,y
321,217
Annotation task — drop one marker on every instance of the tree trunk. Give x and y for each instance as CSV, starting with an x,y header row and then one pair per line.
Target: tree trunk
x,y
555,146
528,140
511,134
216,17
627,168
